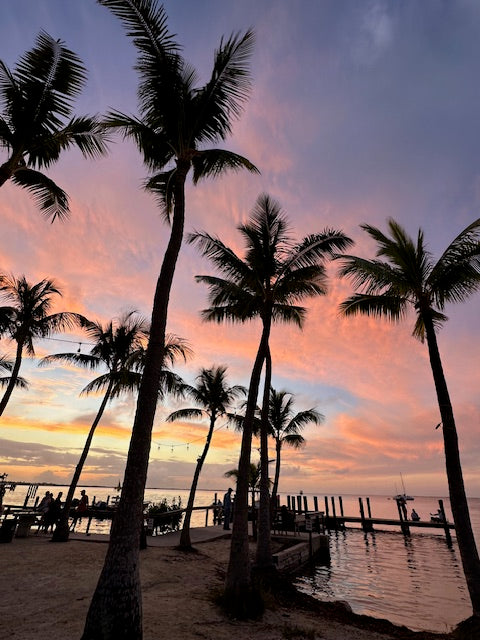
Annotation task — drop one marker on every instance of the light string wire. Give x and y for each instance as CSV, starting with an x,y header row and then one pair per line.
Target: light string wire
x,y
187,444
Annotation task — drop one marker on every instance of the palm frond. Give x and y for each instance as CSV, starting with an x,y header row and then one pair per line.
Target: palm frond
x,y
213,162
392,307
53,75
185,414
49,197
78,359
223,97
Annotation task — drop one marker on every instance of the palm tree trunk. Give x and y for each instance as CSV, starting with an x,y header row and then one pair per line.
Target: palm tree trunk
x,y
185,541
115,612
62,530
13,377
238,579
458,499
264,558
278,449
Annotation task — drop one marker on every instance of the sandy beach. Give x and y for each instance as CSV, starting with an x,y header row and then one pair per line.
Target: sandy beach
x,y
46,591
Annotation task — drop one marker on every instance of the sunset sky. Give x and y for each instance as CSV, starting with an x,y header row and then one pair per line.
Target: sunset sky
x,y
359,111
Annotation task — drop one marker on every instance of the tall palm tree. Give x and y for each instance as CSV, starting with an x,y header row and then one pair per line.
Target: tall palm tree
x,y
176,120
37,99
285,427
405,275
214,397
27,318
275,274
116,347
119,347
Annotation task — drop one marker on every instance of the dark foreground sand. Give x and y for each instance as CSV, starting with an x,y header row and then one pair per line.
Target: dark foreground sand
x,y
46,589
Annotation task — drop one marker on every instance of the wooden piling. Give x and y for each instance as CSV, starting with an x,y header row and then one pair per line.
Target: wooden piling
x,y
368,508
340,502
444,518
403,523
305,504
366,525
299,504
315,503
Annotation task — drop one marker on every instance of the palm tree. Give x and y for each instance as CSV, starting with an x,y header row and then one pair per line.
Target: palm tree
x,y
274,276
27,318
285,427
405,275
213,396
254,478
116,347
37,99
176,120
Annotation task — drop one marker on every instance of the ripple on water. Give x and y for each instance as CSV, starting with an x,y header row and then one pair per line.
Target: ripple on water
x,y
417,581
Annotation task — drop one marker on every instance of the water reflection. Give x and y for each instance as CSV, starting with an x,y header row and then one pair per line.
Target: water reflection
x,y
415,581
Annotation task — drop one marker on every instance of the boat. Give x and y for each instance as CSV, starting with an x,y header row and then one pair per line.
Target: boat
x,y
404,495
118,487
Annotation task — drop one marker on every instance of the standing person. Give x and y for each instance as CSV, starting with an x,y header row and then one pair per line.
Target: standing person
x,y
80,509
227,508
53,512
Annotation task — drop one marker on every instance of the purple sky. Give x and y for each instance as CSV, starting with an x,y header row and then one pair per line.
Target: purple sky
x,y
360,111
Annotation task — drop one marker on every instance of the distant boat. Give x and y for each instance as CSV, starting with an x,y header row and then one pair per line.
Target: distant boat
x,y
404,495
118,487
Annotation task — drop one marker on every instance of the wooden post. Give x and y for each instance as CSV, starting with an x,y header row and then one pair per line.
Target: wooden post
x,y
299,504
334,513
289,506
305,504
403,524
447,528
340,502
362,514
368,508
315,503
206,517
326,507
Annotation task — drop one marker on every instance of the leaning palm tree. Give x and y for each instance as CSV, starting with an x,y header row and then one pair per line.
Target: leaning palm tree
x,y
117,347
275,274
177,119
37,99
27,317
403,276
285,427
214,397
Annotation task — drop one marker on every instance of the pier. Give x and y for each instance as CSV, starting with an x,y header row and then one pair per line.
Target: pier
x,y
334,518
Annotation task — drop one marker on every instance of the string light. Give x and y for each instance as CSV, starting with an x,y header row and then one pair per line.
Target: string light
x,y
173,446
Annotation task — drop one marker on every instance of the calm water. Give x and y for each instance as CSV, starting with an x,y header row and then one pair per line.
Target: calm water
x,y
416,581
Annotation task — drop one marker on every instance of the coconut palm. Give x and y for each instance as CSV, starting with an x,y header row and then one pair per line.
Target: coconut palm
x,y
177,119
118,347
37,98
405,275
275,274
285,427
214,397
26,318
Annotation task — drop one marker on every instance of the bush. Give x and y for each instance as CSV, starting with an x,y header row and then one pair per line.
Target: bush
x,y
164,517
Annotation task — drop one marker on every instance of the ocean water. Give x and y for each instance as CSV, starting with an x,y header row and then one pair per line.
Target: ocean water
x,y
416,581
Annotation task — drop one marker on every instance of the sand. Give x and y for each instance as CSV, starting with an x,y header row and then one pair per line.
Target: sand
x,y
46,590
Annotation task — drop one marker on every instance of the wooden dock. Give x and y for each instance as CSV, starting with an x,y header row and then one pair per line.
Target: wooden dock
x,y
331,520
